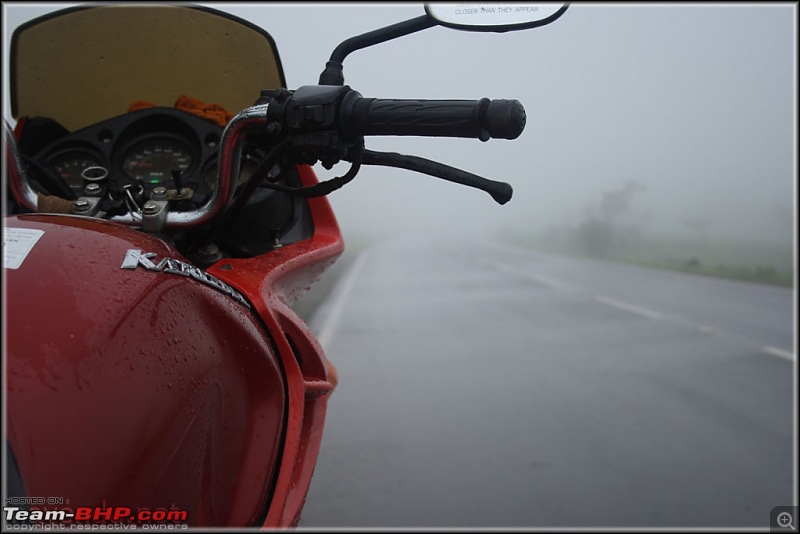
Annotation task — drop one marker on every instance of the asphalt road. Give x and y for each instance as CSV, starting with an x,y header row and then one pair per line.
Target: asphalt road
x,y
483,385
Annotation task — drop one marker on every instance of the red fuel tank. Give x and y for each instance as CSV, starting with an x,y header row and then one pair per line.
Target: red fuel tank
x,y
135,387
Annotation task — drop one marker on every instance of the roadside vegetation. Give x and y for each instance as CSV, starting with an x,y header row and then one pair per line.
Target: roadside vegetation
x,y
611,229
751,261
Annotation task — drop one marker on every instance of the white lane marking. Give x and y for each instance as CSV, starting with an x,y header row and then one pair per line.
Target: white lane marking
x,y
549,282
779,353
628,307
509,270
332,319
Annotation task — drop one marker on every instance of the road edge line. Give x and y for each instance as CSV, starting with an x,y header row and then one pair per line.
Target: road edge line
x,y
332,318
772,351
629,307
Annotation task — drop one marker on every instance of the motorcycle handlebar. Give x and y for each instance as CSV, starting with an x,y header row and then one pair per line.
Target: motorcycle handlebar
x,y
328,122
481,119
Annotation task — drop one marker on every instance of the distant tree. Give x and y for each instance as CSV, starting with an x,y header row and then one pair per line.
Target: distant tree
x,y
601,232
618,202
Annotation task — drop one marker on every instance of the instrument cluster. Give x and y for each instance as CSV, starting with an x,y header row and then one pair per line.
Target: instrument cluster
x,y
148,148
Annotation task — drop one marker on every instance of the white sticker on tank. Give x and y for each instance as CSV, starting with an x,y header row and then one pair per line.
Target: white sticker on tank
x,y
17,244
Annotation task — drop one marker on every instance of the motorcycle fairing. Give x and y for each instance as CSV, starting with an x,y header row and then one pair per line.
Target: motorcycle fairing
x,y
270,483
272,282
85,257
137,388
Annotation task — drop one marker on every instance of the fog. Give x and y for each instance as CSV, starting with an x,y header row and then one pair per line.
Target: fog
x,y
490,386
695,105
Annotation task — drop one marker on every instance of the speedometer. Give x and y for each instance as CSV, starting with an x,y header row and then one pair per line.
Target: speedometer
x,y
154,161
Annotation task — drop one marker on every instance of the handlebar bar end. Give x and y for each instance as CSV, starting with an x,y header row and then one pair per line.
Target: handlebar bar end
x,y
505,119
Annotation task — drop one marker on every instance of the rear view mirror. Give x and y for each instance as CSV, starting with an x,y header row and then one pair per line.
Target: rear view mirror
x,y
471,17
493,17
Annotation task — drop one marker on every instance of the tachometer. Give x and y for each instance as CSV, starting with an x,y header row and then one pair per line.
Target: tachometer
x,y
154,161
69,165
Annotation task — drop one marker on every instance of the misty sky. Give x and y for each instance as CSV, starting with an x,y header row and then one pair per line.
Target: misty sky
x,y
697,103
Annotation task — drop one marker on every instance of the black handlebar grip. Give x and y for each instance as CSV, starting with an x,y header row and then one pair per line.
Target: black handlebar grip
x,y
482,119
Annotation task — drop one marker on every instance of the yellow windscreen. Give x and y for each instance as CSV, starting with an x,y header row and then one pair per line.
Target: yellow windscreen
x,y
85,65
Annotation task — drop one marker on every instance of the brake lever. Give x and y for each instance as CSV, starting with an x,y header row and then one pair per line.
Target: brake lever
x,y
501,192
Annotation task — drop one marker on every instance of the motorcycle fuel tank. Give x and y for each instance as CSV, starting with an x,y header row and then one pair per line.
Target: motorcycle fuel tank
x,y
135,387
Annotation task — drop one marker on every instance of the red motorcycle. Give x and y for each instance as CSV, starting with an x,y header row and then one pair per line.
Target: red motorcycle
x,y
153,245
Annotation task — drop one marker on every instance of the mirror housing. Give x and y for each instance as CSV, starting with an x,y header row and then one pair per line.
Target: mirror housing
x,y
471,17
493,17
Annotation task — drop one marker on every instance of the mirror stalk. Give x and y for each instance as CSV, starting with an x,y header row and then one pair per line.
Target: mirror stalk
x,y
334,74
